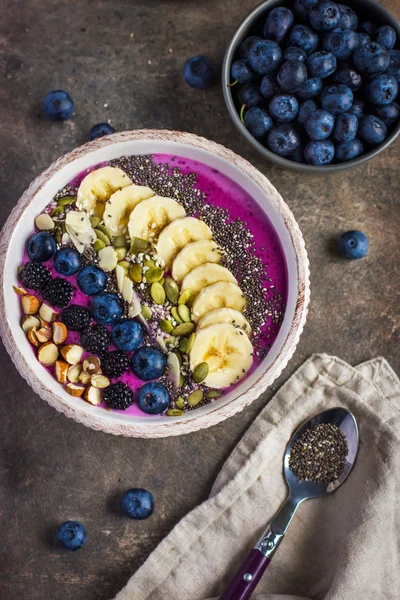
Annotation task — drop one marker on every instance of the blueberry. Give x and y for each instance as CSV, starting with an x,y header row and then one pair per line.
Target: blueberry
x,y
372,129
311,88
153,398
58,106
341,42
148,363
321,64
246,45
353,245
67,261
382,89
258,121
324,16
294,53
283,108
319,152
283,140
303,37
72,535
337,99
348,18
265,57
241,72
302,7
305,110
100,130
268,86
199,72
127,335
349,150
91,280
278,23
137,504
346,126
292,75
106,308
386,36
298,154
371,59
249,95
363,38
41,246
319,124
389,113
394,64
368,27
348,76
357,108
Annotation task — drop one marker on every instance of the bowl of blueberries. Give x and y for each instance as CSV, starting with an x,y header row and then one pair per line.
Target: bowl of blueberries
x,y
314,85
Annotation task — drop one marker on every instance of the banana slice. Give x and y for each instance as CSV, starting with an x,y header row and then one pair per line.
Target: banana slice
x,y
98,186
121,204
152,215
227,352
193,255
205,275
225,315
218,295
179,233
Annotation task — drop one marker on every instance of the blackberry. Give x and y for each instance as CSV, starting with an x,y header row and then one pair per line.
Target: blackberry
x,y
96,339
76,317
118,396
115,363
58,292
35,275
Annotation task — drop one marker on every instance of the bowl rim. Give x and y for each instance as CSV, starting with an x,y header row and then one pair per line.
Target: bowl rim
x,y
282,162
216,413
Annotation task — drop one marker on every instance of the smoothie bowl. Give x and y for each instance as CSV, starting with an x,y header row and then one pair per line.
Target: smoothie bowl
x,y
153,283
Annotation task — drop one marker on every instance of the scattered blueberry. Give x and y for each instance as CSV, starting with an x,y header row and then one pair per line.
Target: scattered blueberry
x,y
250,96
319,124
58,292
386,36
137,504
363,38
100,130
199,72
337,99
348,76
283,108
353,245
357,108
106,308
283,140
292,75
349,150
268,86
257,121
382,89
41,246
91,280
372,129
72,535
348,18
371,59
319,152
148,363
305,110
67,261
321,64
389,113
118,396
324,16
341,42
346,126
368,27
153,398
127,335
241,72
394,64
303,37
246,45
278,23
311,88
294,53
265,56
58,106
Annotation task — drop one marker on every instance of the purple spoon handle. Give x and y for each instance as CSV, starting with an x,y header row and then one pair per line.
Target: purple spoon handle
x,y
247,577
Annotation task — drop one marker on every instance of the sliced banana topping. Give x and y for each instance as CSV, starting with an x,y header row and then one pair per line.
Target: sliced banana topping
x,y
178,234
193,255
227,352
205,275
225,315
97,187
218,295
121,204
151,216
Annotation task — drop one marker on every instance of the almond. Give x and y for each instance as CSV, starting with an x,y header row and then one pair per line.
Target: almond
x,y
48,353
29,322
74,390
61,371
100,381
72,353
93,395
20,291
84,377
32,337
47,313
60,332
92,365
30,304
44,222
73,373
43,334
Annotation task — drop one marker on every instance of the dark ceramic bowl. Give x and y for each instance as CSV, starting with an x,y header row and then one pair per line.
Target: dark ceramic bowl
x,y
367,10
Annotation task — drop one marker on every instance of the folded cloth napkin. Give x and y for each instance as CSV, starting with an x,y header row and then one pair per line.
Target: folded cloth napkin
x,y
345,546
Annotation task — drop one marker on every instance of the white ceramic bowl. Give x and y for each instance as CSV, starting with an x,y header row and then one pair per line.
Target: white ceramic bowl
x,y
37,196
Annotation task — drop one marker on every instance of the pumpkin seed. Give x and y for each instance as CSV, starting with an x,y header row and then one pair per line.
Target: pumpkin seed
x,y
183,345
183,329
94,221
201,372
105,230
58,236
174,412
138,245
102,237
57,211
64,227
135,272
120,252
146,312
124,264
98,245
175,314
185,296
66,200
166,325
157,292
172,290
190,342
184,313
213,394
149,262
179,356
195,397
182,380
180,403
120,241
154,274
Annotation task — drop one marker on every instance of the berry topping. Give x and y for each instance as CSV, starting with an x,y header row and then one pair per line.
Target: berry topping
x,y
91,280
106,308
115,363
148,363
127,335
96,339
35,276
118,396
153,398
58,292
41,246
67,261
76,317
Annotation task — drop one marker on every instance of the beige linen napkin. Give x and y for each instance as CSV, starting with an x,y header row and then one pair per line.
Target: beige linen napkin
x,y
342,547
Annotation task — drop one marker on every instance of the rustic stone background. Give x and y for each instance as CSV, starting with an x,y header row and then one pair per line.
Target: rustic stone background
x,y
122,60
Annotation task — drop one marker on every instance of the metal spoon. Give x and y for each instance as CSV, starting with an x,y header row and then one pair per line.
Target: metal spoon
x,y
249,575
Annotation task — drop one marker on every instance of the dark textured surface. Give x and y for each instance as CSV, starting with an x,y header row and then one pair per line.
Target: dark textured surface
x,y
128,55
